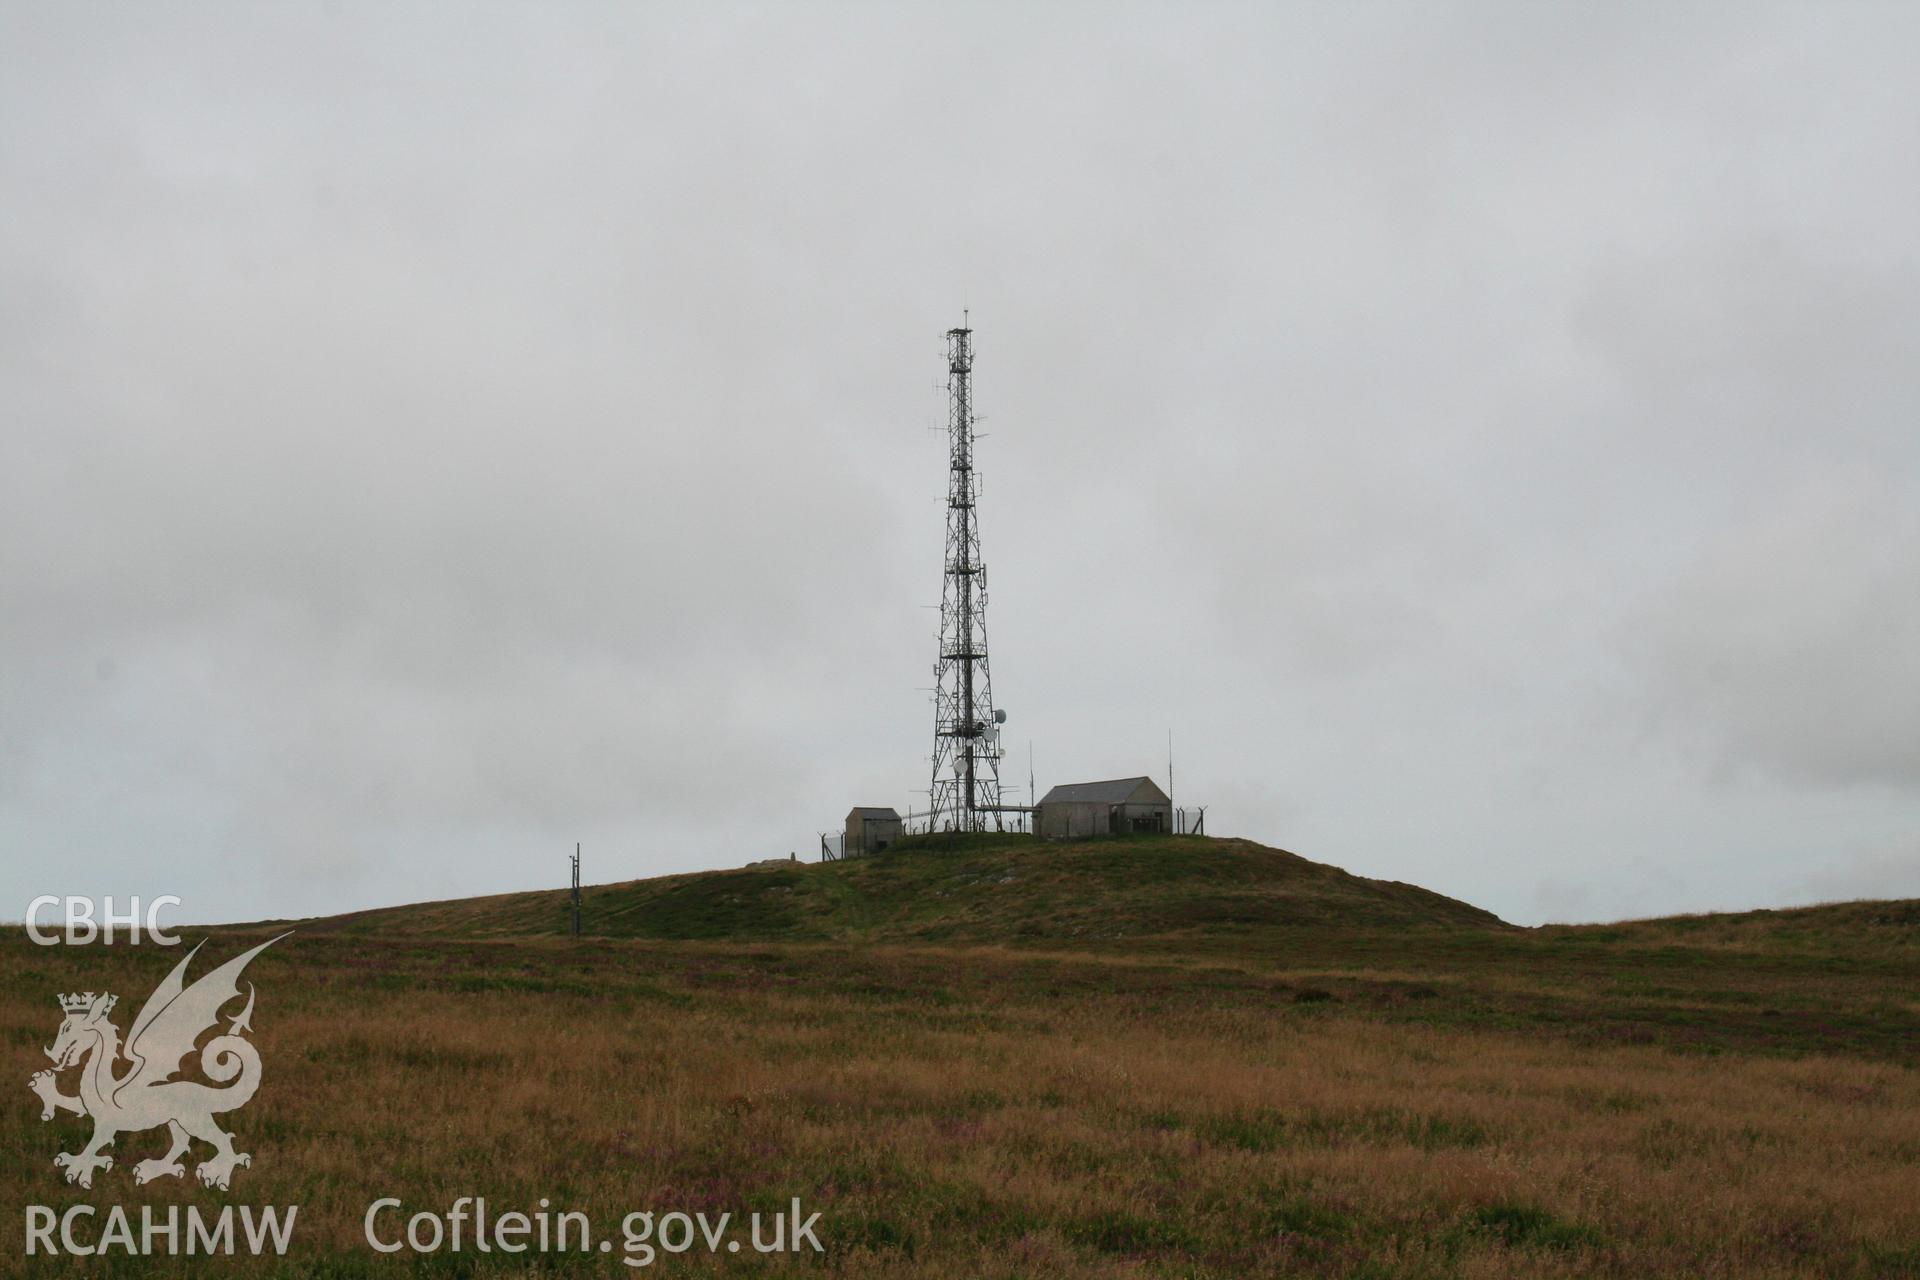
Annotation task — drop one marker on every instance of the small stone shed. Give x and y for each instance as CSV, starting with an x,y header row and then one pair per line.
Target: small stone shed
x,y
1118,806
869,830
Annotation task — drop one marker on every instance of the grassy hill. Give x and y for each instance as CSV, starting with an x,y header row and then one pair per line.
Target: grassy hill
x,y
1126,1058
1833,978
974,890
1884,928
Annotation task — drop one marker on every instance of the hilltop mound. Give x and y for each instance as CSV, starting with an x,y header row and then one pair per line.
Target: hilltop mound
x,y
980,889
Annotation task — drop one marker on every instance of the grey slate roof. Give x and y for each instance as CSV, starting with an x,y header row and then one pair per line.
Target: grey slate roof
x,y
1113,791
868,811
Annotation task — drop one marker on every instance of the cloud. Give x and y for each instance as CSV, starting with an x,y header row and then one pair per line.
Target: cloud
x,y
427,445
1791,643
1888,870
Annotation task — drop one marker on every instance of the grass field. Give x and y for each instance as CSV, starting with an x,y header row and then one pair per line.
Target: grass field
x,y
1249,1065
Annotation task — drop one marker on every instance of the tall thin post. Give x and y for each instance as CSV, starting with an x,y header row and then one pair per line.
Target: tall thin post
x,y
576,890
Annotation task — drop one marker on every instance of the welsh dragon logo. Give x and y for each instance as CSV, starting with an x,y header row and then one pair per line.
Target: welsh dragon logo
x,y
145,1094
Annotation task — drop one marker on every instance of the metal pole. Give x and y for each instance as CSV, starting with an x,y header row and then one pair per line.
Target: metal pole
x,y
576,890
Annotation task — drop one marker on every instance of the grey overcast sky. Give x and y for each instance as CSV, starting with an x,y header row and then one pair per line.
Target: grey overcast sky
x,y
1485,435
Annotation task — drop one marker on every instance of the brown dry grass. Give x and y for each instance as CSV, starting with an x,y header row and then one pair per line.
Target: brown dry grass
x,y
959,1114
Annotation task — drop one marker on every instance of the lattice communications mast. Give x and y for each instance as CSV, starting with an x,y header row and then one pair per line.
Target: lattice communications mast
x,y
966,738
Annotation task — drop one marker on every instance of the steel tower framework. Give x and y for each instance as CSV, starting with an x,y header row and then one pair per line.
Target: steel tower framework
x,y
966,738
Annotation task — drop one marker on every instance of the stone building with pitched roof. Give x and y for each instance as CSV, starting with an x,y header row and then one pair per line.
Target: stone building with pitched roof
x,y
1115,807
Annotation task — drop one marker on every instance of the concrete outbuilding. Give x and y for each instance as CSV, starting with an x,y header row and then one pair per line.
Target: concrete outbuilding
x,y
1122,805
869,830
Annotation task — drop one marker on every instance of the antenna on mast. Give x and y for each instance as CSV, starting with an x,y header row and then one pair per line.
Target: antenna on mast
x,y
1032,796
